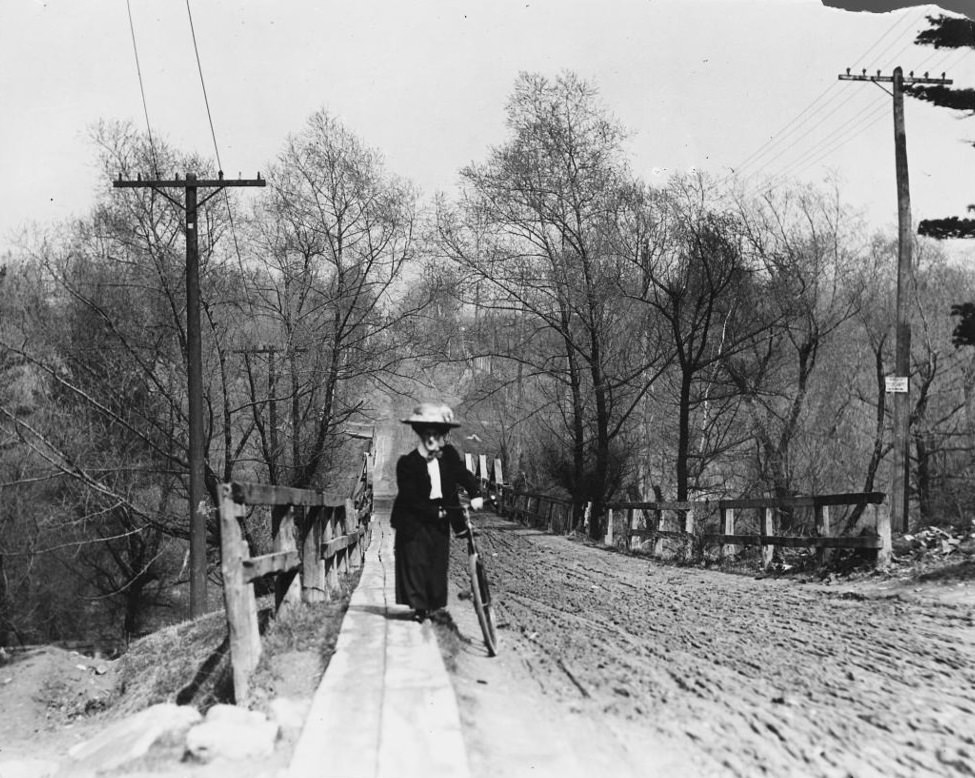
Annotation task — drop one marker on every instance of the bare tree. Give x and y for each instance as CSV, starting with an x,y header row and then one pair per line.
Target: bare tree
x,y
534,234
810,259
334,237
695,284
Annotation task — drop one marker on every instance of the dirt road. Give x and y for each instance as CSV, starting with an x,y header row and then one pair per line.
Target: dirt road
x,y
715,674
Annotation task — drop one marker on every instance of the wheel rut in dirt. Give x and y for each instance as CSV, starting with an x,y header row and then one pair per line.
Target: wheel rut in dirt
x,y
766,676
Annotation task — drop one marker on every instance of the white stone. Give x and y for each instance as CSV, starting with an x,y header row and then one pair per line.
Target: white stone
x,y
28,768
134,736
230,732
290,714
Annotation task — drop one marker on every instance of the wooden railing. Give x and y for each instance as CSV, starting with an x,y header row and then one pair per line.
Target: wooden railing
x,y
316,535
490,479
537,510
684,520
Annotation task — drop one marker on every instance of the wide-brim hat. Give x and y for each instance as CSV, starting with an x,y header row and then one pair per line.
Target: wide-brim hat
x,y
431,415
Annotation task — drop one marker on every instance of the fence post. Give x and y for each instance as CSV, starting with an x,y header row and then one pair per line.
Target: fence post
x,y
768,523
658,542
482,471
312,566
631,526
885,552
287,587
351,526
238,596
344,527
728,524
366,538
499,486
609,527
331,574
689,534
824,531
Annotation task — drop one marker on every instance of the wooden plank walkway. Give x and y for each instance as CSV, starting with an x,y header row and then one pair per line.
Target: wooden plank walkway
x,y
386,706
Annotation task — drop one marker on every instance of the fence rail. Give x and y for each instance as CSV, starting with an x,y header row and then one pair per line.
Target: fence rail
x,y
538,510
767,538
556,515
316,535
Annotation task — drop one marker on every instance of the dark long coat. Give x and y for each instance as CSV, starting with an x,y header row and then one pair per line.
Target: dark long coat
x,y
422,543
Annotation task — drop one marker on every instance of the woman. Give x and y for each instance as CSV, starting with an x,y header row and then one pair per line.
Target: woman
x,y
426,507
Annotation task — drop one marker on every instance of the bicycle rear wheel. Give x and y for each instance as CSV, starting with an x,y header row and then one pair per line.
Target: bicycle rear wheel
x,y
481,595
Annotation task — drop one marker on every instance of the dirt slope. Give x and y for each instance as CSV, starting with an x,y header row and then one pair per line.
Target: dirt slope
x,y
43,692
748,677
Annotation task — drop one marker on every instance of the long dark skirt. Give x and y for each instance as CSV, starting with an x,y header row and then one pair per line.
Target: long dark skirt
x,y
421,567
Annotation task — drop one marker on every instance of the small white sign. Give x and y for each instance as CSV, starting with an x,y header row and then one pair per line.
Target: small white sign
x,y
896,384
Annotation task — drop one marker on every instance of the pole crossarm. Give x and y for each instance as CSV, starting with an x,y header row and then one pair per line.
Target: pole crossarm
x,y
159,184
122,183
908,80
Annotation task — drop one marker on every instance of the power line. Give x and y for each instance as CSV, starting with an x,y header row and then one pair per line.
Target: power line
x,y
883,53
784,131
792,126
811,158
879,113
142,91
830,140
216,149
859,62
808,131
870,118
206,101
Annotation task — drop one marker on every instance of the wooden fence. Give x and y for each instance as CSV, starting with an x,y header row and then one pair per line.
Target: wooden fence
x,y
315,535
537,510
490,479
684,519
684,522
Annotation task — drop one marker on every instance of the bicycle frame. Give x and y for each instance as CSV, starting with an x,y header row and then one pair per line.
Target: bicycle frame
x,y
480,591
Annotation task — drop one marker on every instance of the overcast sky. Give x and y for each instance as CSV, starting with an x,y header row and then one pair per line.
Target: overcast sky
x,y
708,84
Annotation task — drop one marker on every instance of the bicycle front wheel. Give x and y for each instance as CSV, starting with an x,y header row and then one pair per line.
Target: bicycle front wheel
x,y
481,596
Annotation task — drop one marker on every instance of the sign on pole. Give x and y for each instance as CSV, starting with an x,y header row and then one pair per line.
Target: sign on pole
x,y
896,384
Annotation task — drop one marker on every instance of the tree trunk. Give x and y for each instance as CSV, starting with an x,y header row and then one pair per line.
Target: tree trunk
x,y
683,436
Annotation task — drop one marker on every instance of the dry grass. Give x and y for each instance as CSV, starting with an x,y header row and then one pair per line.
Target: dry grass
x,y
186,663
297,647
189,663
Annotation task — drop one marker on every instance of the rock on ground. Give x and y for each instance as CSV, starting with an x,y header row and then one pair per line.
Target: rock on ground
x,y
132,737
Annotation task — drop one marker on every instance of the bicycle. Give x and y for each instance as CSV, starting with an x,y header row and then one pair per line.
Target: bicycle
x,y
480,591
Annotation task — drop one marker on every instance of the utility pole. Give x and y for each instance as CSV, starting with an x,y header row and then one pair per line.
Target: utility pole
x,y
194,361
899,383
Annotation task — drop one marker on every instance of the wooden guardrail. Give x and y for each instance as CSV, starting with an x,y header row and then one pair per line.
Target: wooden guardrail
x,y
532,508
490,478
682,521
685,515
538,510
316,535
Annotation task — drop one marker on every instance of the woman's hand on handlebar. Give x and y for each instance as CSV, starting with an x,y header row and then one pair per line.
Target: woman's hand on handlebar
x,y
477,503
